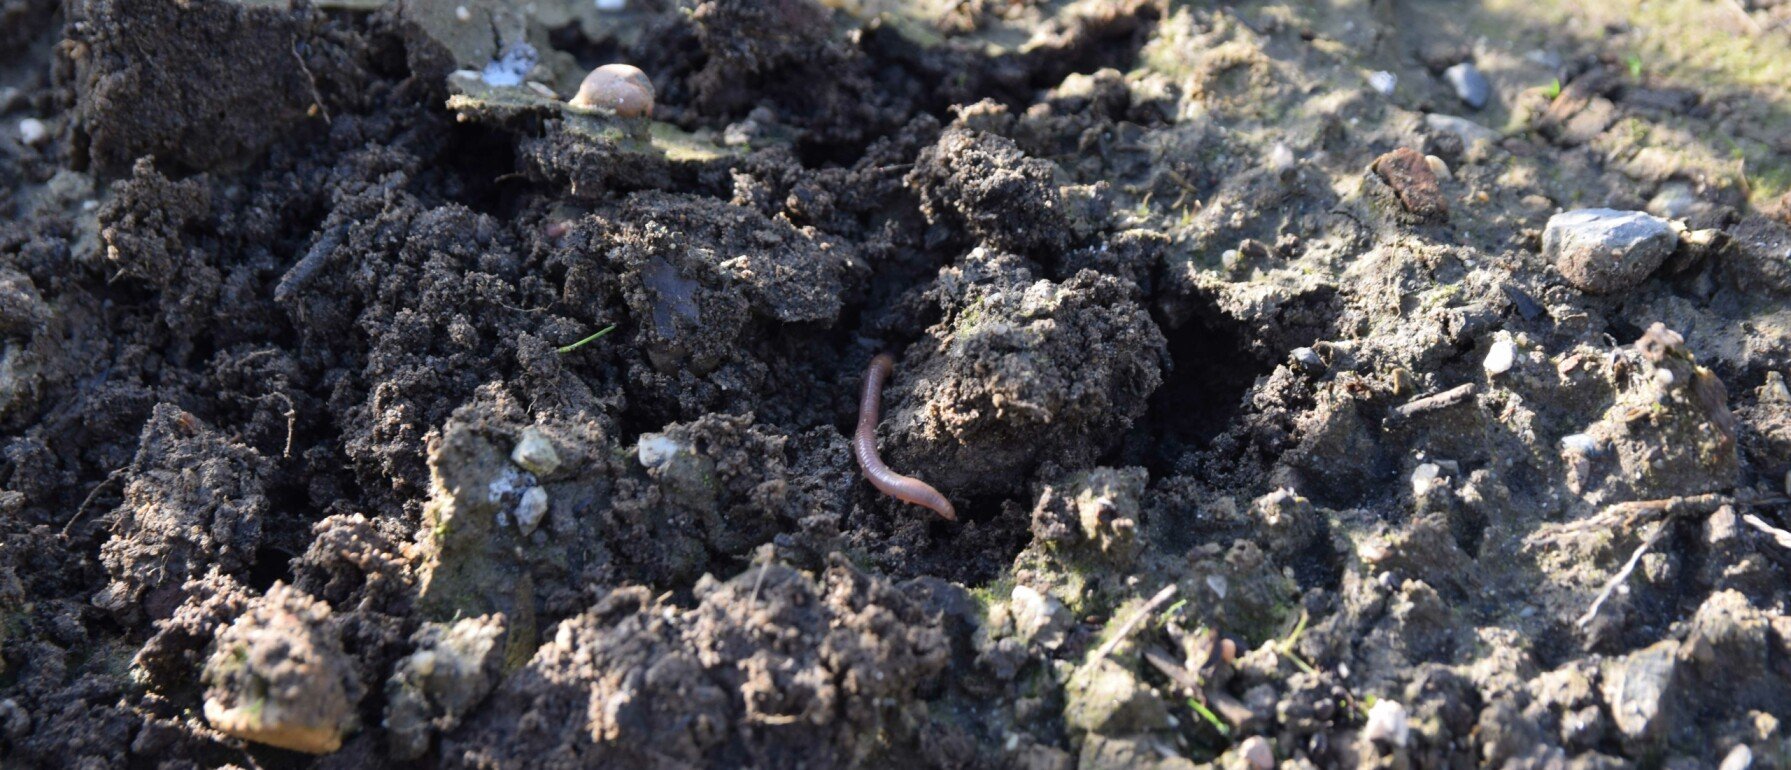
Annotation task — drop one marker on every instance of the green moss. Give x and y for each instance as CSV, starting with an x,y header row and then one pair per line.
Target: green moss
x,y
970,317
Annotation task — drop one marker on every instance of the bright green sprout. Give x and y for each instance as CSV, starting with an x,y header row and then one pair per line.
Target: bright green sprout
x,y
1286,646
1553,90
1634,62
1210,717
583,342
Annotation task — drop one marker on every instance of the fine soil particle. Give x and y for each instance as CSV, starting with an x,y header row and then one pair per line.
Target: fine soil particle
x,y
1283,421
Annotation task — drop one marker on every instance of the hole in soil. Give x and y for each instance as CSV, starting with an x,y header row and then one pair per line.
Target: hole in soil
x,y
271,565
483,155
983,509
1201,394
1622,331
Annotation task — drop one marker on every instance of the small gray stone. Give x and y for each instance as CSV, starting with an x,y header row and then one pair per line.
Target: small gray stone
x,y
1469,131
1675,200
1641,687
535,452
1469,84
1039,618
1580,443
1603,251
1258,753
531,509
1308,360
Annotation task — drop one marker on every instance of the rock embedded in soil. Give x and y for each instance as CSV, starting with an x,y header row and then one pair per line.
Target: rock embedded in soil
x,y
1258,753
455,666
1467,130
535,452
1643,688
1605,251
1500,357
1469,84
1106,698
1410,175
1387,724
279,676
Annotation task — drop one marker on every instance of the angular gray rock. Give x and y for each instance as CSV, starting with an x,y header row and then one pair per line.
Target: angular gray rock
x,y
1603,251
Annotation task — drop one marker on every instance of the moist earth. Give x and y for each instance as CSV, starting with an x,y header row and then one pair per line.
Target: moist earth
x,y
1325,384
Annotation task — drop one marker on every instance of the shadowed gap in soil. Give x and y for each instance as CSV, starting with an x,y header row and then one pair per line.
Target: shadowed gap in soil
x,y
1034,73
1210,372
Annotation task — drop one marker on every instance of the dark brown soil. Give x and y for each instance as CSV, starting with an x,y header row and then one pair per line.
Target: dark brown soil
x,y
301,467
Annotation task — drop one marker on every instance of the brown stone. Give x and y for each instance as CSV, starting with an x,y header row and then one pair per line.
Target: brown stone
x,y
1412,179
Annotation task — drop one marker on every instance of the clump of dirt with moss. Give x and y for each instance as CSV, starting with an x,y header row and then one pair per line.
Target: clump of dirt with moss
x,y
1317,385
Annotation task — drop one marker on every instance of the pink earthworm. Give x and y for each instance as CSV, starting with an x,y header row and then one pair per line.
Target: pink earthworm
x,y
864,446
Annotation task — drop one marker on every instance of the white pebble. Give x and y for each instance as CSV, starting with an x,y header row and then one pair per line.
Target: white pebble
x,y
531,509
1580,443
33,131
1423,476
463,14
1281,158
656,449
1501,357
1439,167
1386,723
611,5
1218,584
1383,81
1739,758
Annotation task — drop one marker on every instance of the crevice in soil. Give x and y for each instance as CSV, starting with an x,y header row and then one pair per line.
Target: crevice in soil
x,y
1211,370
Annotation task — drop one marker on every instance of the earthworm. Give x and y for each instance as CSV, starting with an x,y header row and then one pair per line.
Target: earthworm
x,y
864,446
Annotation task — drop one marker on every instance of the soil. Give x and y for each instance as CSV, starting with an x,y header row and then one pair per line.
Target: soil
x,y
1277,430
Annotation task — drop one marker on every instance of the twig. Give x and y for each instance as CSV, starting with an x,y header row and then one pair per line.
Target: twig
x,y
311,264
1183,678
581,343
110,477
1635,513
1622,575
291,421
316,97
1779,536
1132,623
1431,403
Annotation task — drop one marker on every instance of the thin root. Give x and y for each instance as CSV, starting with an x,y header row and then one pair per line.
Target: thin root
x,y
110,477
1779,536
1133,622
1622,574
